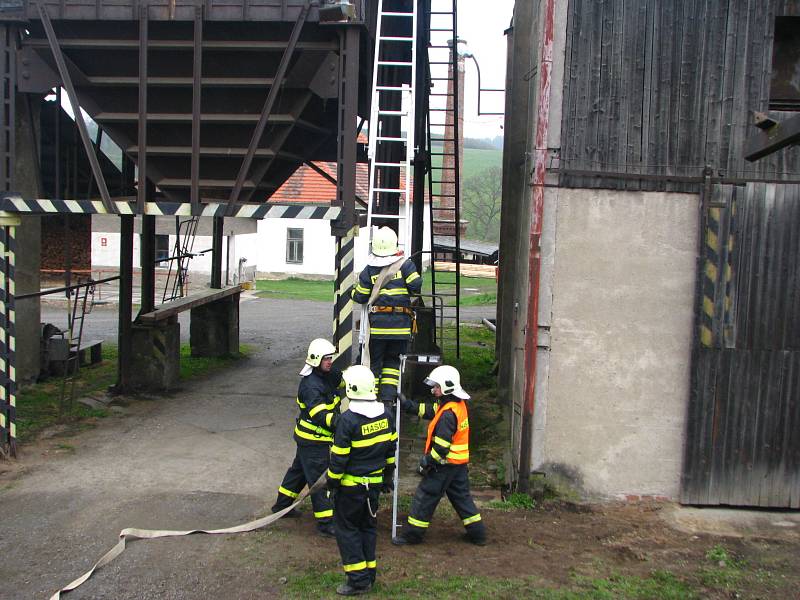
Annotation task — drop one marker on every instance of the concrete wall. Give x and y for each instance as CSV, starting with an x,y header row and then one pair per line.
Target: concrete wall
x,y
28,255
622,293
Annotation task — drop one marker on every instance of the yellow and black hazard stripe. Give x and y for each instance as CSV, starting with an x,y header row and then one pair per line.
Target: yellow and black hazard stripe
x,y
343,307
710,278
17,204
8,391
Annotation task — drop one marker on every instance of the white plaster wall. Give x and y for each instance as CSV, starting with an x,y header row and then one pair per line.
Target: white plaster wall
x,y
623,285
266,248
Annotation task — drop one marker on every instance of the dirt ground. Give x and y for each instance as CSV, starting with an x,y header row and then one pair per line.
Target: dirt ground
x,y
212,455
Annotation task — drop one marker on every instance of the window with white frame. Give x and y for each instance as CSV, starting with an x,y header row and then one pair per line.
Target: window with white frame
x,y
294,246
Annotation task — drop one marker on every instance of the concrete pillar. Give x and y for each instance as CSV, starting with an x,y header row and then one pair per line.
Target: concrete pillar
x,y
214,328
155,356
29,244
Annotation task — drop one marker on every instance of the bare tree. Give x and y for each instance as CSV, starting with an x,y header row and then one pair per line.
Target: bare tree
x,y
481,196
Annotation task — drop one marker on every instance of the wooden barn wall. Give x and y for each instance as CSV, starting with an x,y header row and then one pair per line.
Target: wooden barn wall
x,y
666,87
743,436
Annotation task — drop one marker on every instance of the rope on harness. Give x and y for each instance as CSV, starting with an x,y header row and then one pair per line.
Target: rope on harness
x,y
151,534
384,275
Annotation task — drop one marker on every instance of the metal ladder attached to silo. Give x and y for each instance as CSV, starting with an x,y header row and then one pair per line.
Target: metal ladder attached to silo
x,y
391,124
176,283
444,180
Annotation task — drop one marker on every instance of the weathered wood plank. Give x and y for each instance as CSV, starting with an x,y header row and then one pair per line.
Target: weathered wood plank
x,y
174,307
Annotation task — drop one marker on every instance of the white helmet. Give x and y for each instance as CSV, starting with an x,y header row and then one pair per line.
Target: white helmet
x,y
317,350
449,380
384,242
359,383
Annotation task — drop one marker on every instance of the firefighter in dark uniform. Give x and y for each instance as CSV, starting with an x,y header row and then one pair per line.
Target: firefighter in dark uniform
x,y
362,465
444,464
390,314
318,400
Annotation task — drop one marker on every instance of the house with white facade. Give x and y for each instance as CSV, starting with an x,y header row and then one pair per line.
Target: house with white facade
x,y
268,248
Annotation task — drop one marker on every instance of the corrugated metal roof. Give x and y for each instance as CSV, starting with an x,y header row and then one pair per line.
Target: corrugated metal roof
x,y
471,246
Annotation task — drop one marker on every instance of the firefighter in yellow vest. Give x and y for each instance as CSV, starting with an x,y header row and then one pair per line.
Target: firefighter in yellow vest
x,y
318,401
444,464
361,466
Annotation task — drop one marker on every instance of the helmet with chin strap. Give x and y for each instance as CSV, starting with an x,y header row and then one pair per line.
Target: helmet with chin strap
x,y
448,379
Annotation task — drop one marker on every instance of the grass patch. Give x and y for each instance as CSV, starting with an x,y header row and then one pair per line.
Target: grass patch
x,y
38,404
295,288
515,501
475,291
660,585
726,572
195,366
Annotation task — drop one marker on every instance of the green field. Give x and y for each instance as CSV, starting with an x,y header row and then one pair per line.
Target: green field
x,y
474,290
475,161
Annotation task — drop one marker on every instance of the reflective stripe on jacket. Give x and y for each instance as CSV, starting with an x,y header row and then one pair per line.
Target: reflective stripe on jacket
x,y
457,446
319,404
363,448
395,292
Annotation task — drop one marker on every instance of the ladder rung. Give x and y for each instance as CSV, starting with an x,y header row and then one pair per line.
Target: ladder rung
x,y
396,39
444,94
441,109
398,217
397,14
439,62
439,47
437,29
389,190
443,13
394,63
441,78
393,88
385,164
390,139
401,113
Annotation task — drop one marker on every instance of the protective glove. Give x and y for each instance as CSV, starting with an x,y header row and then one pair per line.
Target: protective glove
x,y
405,403
388,480
426,464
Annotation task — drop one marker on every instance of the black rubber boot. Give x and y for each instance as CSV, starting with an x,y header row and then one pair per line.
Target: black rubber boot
x,y
348,590
401,540
326,530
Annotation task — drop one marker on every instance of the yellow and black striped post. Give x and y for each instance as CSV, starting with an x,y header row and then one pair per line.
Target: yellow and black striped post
x,y
343,306
8,391
710,278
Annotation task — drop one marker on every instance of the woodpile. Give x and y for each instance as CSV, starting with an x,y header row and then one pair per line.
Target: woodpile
x,y
468,270
54,249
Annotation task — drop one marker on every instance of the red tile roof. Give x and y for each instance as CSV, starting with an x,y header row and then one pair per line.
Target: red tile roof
x,y
306,186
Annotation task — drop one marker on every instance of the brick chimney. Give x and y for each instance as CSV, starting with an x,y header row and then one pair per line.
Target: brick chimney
x,y
448,187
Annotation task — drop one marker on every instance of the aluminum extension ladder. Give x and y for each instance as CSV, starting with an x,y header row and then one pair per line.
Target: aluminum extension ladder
x,y
391,123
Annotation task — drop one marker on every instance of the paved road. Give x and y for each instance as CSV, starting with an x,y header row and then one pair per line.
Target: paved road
x,y
280,326
209,455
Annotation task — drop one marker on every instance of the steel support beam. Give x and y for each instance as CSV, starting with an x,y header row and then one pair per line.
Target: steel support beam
x,y
141,156
421,156
197,75
258,132
771,138
345,228
216,252
147,256
76,109
124,335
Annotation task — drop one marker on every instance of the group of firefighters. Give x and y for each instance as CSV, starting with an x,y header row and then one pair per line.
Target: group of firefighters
x,y
356,447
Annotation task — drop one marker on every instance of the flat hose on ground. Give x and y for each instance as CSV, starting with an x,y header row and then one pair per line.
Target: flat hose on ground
x,y
150,534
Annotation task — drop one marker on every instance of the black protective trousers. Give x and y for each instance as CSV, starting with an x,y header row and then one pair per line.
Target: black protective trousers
x,y
452,480
384,361
356,532
310,462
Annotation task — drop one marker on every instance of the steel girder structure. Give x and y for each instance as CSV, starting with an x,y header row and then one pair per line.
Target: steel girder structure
x,y
59,53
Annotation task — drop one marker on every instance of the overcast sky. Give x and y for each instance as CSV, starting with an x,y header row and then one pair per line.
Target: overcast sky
x,y
482,25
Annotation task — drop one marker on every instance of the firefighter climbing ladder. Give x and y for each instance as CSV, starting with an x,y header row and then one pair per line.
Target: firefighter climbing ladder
x,y
391,124
445,169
